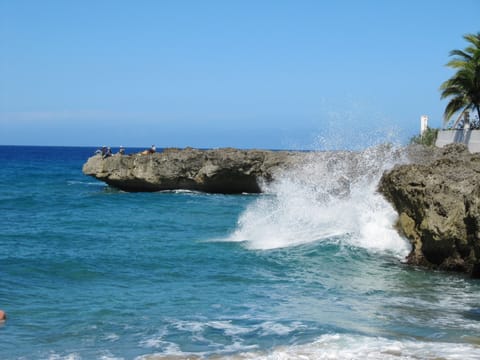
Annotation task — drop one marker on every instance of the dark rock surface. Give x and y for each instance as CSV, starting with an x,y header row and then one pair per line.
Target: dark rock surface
x,y
228,171
437,198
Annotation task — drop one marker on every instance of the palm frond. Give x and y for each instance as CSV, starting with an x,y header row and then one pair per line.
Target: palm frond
x,y
457,63
454,105
463,88
473,39
461,54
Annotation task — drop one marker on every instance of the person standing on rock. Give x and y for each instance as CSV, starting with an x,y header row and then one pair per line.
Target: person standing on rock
x,y
107,153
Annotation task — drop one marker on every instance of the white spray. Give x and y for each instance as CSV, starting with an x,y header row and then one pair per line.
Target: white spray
x,y
330,197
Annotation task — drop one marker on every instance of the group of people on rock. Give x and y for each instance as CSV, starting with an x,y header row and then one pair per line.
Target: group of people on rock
x,y
106,151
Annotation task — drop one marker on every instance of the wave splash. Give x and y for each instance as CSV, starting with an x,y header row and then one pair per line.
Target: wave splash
x,y
331,197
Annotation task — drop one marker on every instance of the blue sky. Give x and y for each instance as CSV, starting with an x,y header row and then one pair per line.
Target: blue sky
x,y
250,74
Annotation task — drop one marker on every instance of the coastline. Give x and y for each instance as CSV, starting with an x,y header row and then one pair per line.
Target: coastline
x,y
452,245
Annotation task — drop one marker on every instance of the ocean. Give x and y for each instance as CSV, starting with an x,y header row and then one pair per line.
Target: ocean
x,y
302,271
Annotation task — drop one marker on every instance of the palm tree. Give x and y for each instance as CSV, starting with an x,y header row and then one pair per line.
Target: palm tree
x,y
463,88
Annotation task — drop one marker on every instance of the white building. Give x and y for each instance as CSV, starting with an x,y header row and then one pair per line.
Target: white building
x,y
423,124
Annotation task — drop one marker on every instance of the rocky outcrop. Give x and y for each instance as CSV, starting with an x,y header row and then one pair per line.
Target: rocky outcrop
x,y
228,171
438,201
437,195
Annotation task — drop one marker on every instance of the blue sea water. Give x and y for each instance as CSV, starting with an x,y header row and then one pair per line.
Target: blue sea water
x,y
90,272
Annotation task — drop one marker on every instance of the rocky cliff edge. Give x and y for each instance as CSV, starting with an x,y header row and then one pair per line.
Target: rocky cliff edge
x,y
438,202
228,170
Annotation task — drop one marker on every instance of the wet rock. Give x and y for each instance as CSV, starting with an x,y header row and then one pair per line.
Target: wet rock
x,y
438,201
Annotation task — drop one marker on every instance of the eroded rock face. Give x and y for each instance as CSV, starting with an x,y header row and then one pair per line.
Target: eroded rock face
x,y
227,171
438,201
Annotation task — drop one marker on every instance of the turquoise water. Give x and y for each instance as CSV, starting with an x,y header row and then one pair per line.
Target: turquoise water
x,y
89,272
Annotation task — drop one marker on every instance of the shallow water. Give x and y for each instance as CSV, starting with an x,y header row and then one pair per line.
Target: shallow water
x,y
90,272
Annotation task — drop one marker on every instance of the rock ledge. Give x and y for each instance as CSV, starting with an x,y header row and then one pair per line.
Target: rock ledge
x,y
228,170
438,202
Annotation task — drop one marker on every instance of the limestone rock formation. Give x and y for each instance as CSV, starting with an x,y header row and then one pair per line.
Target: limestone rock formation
x,y
227,170
438,201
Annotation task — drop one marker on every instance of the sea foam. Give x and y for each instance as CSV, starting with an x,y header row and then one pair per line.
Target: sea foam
x,y
343,346
338,346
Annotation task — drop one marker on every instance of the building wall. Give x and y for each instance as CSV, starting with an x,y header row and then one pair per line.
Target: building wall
x,y
471,138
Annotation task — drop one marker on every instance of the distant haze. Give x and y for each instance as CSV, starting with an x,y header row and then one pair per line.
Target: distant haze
x,y
249,74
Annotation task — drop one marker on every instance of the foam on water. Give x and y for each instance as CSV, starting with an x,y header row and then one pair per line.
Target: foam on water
x,y
331,196
338,346
341,346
